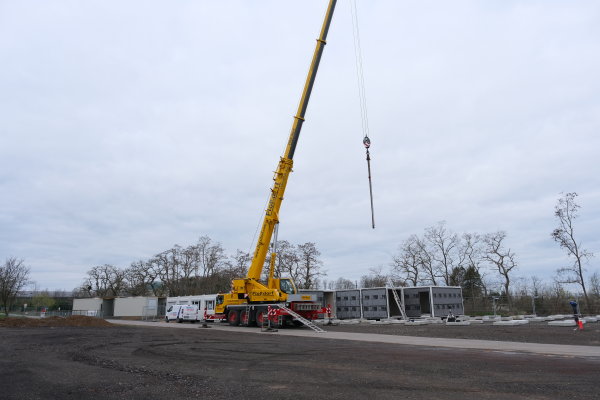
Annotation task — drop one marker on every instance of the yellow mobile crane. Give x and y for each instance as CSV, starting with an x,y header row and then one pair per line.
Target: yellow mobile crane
x,y
249,300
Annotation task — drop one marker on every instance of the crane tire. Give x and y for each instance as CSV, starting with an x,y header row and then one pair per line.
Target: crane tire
x,y
233,317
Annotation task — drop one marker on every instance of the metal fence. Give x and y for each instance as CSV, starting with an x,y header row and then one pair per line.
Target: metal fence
x,y
540,305
88,313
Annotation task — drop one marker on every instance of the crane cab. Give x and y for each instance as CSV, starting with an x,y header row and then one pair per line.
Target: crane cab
x,y
284,285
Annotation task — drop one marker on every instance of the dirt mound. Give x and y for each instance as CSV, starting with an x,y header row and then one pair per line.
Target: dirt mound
x,y
74,320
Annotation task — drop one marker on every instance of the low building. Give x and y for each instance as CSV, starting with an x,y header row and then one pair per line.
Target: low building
x,y
90,306
108,307
434,301
378,303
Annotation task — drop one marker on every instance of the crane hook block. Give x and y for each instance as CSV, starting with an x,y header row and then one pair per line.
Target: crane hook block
x,y
367,142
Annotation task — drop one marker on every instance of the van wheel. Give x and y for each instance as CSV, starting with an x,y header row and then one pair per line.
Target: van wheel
x,y
180,320
233,318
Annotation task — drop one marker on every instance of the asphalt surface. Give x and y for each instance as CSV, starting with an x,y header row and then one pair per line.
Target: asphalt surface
x,y
189,362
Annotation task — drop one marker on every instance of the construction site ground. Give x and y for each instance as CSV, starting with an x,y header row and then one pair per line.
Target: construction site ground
x,y
97,360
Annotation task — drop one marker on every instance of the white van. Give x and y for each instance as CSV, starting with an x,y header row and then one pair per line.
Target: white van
x,y
182,312
205,303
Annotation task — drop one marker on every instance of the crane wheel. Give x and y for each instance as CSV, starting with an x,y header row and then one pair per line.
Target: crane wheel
x,y
233,318
261,317
246,318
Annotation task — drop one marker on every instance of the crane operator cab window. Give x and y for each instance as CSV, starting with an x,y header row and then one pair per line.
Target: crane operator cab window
x,y
219,300
287,286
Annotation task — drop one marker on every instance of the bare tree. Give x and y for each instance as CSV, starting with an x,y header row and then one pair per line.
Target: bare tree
x,y
309,265
595,289
105,280
240,262
375,278
443,245
470,251
211,256
344,284
566,211
14,276
427,262
501,259
406,265
285,261
595,285
141,279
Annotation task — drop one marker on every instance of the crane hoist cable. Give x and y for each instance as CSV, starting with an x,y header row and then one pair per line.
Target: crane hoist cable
x,y
362,97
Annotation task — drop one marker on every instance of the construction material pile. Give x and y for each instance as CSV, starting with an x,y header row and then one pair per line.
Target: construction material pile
x,y
74,320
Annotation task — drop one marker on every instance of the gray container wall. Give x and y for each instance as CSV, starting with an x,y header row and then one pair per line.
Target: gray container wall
x,y
446,299
347,304
412,300
375,304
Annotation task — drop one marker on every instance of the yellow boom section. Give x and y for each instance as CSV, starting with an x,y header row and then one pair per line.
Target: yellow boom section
x,y
286,162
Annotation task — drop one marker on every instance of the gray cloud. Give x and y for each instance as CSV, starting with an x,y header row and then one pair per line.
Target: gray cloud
x,y
127,128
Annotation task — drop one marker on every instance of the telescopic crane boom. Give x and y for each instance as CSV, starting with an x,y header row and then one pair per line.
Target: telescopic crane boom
x,y
286,162
249,290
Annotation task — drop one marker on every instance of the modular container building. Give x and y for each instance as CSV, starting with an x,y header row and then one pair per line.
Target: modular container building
x,y
95,306
434,301
378,303
139,306
347,304
90,307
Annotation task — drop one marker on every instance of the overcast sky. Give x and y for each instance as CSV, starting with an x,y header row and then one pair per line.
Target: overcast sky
x,y
128,127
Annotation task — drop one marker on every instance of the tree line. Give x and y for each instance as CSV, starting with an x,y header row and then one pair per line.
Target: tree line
x,y
482,264
203,267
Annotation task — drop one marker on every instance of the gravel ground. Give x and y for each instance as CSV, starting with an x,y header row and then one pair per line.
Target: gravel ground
x,y
123,362
535,332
